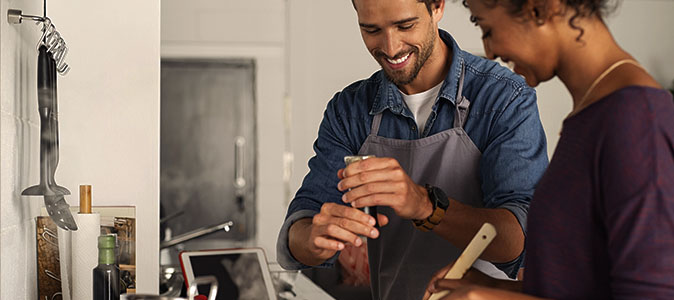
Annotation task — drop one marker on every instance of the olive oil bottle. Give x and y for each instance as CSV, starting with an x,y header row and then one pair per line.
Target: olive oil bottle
x,y
106,274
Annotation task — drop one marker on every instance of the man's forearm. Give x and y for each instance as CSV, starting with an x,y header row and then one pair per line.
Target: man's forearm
x,y
461,222
298,242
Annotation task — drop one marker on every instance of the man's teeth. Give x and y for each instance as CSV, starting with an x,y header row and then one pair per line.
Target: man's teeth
x,y
399,60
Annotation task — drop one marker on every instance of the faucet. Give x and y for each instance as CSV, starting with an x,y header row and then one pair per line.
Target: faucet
x,y
195,234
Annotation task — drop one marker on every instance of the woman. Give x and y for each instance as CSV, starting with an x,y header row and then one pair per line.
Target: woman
x,y
601,223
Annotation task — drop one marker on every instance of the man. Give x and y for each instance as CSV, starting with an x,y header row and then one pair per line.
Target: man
x,y
458,142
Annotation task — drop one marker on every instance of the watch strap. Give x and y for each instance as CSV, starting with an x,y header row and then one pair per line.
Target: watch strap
x,y
436,216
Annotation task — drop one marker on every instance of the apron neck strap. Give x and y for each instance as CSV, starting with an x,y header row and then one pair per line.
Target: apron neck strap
x,y
374,130
462,104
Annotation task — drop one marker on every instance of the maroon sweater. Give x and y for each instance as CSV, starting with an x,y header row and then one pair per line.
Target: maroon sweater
x,y
601,223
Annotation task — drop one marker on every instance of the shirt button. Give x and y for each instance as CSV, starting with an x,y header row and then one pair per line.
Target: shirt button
x,y
413,127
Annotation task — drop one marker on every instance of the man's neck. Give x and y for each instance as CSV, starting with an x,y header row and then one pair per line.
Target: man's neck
x,y
434,70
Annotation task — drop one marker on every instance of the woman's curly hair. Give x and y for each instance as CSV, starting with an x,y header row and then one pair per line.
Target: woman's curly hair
x,y
582,8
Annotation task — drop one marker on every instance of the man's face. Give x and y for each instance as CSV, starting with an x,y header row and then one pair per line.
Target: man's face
x,y
400,35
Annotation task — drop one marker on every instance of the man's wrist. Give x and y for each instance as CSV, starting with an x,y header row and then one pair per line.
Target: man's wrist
x,y
298,234
439,204
428,206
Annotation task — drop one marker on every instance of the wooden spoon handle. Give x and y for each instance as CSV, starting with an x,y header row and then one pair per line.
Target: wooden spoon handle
x,y
474,249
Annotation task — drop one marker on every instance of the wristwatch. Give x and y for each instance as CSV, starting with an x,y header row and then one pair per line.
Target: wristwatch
x,y
440,204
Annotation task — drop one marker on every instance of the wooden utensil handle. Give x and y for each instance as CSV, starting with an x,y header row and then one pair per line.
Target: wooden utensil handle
x,y
480,241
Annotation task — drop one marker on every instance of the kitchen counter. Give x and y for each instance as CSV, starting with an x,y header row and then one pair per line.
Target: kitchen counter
x,y
307,290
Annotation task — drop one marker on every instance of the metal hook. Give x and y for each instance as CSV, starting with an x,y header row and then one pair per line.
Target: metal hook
x,y
46,30
50,37
52,42
14,16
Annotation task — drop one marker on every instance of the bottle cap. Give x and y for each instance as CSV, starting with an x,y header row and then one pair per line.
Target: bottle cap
x,y
106,241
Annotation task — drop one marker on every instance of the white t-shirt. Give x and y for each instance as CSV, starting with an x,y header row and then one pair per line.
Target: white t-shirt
x,y
421,105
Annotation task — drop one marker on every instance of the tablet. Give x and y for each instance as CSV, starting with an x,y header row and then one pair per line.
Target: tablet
x,y
242,273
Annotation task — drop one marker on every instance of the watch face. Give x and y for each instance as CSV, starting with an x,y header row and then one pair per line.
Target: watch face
x,y
441,197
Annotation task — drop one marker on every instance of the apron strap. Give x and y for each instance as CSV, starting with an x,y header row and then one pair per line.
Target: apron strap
x,y
462,104
374,130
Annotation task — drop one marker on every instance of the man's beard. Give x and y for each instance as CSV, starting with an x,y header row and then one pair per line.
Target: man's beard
x,y
400,77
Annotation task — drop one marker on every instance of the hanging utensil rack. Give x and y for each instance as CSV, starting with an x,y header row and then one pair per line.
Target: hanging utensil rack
x,y
50,38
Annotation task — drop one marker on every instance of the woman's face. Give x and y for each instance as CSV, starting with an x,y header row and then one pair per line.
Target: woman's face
x,y
529,46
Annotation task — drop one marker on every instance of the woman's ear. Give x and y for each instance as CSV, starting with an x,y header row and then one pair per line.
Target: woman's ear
x,y
537,10
542,11
538,16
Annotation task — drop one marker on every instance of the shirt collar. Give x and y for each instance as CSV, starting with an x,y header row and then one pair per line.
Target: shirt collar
x,y
388,95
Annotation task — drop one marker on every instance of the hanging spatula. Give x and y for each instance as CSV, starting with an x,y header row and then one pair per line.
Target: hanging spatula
x,y
55,203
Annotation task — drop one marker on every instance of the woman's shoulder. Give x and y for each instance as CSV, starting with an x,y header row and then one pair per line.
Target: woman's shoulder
x,y
633,99
631,109
635,112
639,99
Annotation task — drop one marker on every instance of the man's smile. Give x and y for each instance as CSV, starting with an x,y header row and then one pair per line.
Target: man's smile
x,y
398,63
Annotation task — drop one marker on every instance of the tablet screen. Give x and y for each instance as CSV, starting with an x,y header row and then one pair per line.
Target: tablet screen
x,y
239,275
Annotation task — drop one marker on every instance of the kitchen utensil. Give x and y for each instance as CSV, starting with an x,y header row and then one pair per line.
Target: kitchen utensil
x,y
52,86
47,108
370,210
54,201
59,211
480,241
191,291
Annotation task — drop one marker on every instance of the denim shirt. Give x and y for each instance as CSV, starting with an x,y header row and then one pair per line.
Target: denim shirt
x,y
503,123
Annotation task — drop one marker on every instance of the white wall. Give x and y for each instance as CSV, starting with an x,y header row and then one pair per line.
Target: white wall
x,y
18,136
242,29
109,125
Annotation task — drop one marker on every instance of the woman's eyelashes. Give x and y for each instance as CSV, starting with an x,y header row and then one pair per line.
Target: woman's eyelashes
x,y
476,21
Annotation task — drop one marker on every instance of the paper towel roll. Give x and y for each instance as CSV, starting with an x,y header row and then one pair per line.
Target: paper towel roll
x,y
64,237
84,255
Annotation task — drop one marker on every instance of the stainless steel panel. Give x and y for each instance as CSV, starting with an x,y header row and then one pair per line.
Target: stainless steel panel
x,y
208,140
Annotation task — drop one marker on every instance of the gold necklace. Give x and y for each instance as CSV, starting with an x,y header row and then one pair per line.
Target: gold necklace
x,y
582,103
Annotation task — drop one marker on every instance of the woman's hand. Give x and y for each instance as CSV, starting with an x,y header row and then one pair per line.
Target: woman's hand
x,y
472,278
473,292
475,285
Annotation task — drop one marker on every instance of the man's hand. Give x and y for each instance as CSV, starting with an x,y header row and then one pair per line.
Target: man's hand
x,y
382,182
312,241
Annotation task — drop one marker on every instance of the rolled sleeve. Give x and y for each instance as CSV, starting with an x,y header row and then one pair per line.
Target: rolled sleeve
x,y
514,161
320,184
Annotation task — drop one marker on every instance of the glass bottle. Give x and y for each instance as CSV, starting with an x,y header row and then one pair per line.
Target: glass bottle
x,y
106,274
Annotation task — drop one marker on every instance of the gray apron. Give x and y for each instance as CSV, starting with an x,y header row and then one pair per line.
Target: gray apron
x,y
403,258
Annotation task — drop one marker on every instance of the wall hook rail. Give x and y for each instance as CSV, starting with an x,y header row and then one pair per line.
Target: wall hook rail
x,y
50,38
